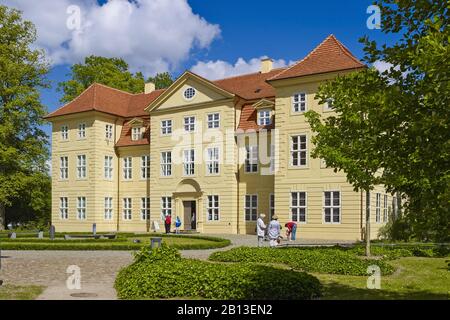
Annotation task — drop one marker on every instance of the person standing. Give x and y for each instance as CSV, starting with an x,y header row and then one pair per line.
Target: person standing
x,y
260,229
177,225
168,222
291,229
274,231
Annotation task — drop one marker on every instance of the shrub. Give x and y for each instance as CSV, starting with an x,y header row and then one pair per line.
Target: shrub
x,y
164,274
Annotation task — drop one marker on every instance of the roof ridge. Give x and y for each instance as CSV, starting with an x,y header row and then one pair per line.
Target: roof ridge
x,y
140,93
75,99
119,90
245,74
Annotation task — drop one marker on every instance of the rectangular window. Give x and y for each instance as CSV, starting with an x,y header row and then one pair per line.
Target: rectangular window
x,y
332,207
145,208
127,168
299,102
251,159
166,127
213,120
145,167
394,207
378,208
189,162
189,124
298,151
212,161
108,131
108,167
166,163
213,208
328,104
166,206
272,158
81,208
64,168
136,133
385,208
81,166
64,132
251,207
81,131
63,208
127,207
271,206
264,117
298,206
108,208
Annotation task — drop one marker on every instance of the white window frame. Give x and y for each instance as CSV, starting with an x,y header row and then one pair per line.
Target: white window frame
x,y
127,168
299,151
81,130
194,92
189,162
145,208
251,159
213,161
63,208
166,127
190,125
328,106
385,208
136,133
378,207
145,167
108,214
127,209
166,163
64,168
264,117
81,208
214,121
81,166
332,206
299,102
213,208
252,210
108,168
108,131
166,205
64,132
298,207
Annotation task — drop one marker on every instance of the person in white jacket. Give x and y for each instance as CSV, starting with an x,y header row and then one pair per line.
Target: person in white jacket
x,y
260,229
274,231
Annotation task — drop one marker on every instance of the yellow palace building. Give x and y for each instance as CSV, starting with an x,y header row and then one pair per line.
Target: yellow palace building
x,y
215,153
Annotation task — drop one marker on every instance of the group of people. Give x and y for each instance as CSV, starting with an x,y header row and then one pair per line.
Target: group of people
x,y
168,223
273,230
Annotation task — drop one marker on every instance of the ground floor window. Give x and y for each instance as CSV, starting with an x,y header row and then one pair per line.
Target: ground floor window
x,y
251,207
298,206
81,208
378,208
213,208
108,208
145,208
166,206
126,211
271,206
332,207
385,208
63,208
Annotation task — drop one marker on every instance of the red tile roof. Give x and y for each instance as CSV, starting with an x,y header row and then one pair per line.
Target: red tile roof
x,y
330,55
125,135
248,119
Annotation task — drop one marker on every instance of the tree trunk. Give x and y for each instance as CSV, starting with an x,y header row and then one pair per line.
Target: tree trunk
x,y
2,217
367,223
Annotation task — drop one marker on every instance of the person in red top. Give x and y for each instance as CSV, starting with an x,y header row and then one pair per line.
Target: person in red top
x,y
168,222
291,229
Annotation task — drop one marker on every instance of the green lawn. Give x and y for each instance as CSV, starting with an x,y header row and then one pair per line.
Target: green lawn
x,y
10,292
414,278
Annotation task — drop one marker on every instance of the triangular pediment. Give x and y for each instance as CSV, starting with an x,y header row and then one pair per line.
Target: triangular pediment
x,y
136,122
264,104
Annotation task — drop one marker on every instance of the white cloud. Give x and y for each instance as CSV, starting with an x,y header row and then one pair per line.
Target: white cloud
x,y
151,35
382,66
219,69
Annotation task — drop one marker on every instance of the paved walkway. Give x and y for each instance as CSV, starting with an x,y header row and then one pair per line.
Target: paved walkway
x,y
98,268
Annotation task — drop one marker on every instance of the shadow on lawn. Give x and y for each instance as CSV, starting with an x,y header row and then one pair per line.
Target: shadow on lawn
x,y
338,291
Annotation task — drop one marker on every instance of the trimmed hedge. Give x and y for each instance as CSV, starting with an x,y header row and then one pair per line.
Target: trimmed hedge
x,y
399,251
163,274
320,260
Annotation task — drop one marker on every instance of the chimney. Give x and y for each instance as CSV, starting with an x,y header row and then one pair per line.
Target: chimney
x,y
149,87
266,65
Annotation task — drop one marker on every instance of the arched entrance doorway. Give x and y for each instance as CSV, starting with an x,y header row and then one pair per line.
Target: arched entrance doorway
x,y
188,204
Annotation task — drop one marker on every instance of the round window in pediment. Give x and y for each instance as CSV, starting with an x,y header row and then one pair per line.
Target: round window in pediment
x,y
189,93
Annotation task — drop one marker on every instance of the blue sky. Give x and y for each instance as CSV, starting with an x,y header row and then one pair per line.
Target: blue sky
x,y
234,29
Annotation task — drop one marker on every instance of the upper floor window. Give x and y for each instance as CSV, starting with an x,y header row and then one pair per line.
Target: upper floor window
x,y
81,131
299,102
213,120
81,208
166,163
332,207
189,162
145,167
136,133
127,168
166,126
212,208
264,117
64,167
329,104
298,151
108,167
251,159
81,166
65,132
189,124
212,160
189,93
108,131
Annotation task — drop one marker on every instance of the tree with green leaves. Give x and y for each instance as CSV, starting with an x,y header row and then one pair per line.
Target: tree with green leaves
x,y
23,144
112,72
392,127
